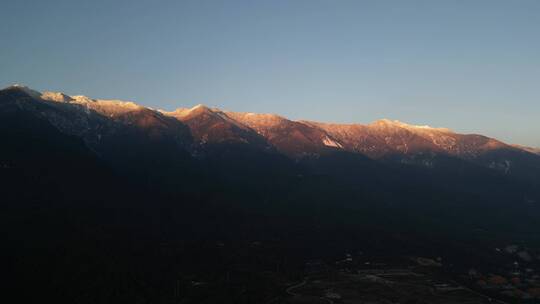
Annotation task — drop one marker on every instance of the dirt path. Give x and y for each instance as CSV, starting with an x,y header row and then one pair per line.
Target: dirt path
x,y
304,282
289,290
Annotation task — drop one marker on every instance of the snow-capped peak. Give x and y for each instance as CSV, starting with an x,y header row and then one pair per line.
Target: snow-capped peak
x,y
400,124
27,90
82,99
182,113
56,96
103,106
199,106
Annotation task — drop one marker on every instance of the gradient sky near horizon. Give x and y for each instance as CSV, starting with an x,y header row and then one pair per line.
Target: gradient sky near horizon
x,y
469,65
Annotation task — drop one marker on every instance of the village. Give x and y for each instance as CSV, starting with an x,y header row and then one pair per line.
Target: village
x,y
517,279
353,279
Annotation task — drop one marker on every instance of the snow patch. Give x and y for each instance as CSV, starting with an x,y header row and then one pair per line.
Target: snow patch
x,y
400,124
331,143
27,90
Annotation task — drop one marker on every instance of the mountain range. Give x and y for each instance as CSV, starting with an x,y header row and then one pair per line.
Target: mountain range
x,y
116,180
155,145
193,128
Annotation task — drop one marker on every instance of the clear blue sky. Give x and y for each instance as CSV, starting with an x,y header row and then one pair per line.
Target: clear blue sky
x,y
473,66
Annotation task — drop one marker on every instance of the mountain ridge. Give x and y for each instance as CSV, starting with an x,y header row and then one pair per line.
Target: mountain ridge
x,y
83,178
380,139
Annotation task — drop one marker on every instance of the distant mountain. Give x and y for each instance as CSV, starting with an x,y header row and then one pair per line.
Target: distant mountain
x,y
137,141
191,129
214,126
107,194
293,138
528,149
382,140
221,159
386,137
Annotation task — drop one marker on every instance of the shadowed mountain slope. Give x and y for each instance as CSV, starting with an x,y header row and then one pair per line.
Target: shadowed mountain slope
x,y
115,202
